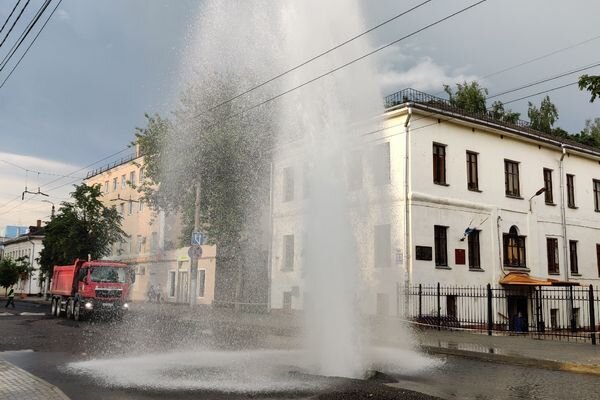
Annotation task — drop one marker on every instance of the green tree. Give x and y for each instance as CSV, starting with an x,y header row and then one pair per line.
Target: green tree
x,y
9,273
591,84
468,96
82,227
472,98
228,158
590,134
544,117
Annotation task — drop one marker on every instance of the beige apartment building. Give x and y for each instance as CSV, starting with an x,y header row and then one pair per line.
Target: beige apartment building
x,y
152,238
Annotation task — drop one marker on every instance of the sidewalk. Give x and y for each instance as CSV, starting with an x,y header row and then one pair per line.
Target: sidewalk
x,y
17,384
521,350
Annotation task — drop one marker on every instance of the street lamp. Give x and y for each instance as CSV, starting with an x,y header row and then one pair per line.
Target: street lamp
x,y
542,190
52,212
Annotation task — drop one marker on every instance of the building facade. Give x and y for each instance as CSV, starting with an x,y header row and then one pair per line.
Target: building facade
x,y
454,198
152,238
27,247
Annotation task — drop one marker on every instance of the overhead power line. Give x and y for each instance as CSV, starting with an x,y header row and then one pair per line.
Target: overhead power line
x,y
23,36
35,171
30,44
14,23
10,15
340,67
286,72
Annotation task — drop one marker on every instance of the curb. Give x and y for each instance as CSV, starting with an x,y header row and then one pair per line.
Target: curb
x,y
49,389
552,365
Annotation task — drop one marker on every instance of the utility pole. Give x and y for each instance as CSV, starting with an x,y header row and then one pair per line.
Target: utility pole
x,y
194,255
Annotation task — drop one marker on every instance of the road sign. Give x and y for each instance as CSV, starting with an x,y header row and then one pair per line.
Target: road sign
x,y
197,238
195,251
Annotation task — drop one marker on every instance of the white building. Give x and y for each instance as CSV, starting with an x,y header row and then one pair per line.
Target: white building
x,y
461,174
29,247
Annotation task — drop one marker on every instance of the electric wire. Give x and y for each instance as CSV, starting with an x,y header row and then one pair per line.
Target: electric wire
x,y
24,35
342,66
292,69
30,44
14,23
10,15
35,171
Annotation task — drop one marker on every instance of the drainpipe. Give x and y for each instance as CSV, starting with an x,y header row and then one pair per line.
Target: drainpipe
x,y
563,217
500,244
407,244
270,246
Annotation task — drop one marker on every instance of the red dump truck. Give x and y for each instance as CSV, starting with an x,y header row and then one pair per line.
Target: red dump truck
x,y
91,287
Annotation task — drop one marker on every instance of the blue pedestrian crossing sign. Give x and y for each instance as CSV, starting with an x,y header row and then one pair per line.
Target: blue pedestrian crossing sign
x,y
197,238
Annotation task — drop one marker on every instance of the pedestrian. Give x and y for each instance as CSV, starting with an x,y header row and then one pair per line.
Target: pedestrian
x,y
11,298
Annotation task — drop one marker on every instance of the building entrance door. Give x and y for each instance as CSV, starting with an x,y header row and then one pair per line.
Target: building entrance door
x,y
517,313
183,287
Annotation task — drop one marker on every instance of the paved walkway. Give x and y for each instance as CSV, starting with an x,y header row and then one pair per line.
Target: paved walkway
x,y
17,384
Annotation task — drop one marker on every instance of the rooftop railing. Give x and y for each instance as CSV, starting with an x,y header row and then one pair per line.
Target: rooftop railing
x,y
111,165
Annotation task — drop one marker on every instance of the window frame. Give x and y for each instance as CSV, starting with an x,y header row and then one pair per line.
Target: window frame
x,y
513,190
552,255
288,184
573,258
382,163
288,253
472,169
513,242
474,249
596,190
382,243
548,185
440,239
571,191
598,258
439,164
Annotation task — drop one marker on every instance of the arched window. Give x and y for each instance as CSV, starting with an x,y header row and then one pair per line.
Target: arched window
x,y
514,249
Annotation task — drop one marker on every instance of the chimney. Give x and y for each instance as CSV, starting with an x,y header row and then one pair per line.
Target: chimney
x,y
38,224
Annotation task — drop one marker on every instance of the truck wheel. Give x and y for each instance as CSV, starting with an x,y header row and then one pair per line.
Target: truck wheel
x,y
70,309
53,307
58,307
77,316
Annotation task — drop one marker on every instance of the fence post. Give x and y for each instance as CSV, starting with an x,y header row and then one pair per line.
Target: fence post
x,y
490,311
592,314
439,308
420,302
573,322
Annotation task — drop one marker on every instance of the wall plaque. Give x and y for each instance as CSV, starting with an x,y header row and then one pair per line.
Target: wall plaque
x,y
424,253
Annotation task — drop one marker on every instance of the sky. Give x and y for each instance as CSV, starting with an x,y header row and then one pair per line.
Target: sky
x,y
98,66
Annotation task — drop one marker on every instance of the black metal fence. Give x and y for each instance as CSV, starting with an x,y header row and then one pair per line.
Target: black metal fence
x,y
546,312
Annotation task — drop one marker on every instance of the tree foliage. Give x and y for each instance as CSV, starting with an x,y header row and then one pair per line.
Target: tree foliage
x,y
590,135
472,97
82,227
9,272
591,84
544,117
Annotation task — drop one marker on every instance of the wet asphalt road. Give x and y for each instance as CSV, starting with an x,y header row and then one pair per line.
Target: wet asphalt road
x,y
54,343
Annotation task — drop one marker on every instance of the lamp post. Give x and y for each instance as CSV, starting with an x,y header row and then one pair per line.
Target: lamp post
x,y
542,190
53,208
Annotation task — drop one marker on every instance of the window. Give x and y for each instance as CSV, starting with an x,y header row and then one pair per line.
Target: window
x,y
201,282
123,181
597,195
472,171
355,170
287,301
171,283
552,250
473,247
573,256
439,164
548,195
288,184
382,306
381,164
154,241
140,243
132,178
142,175
106,187
114,184
511,178
441,245
382,246
140,206
130,208
122,209
514,249
571,191
598,258
288,252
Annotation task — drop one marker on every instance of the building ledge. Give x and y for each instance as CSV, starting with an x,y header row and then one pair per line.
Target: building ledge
x,y
476,270
517,269
442,267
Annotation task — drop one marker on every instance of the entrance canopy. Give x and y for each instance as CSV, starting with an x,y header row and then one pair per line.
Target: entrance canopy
x,y
523,279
